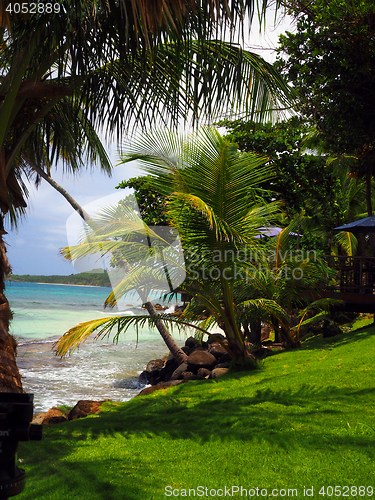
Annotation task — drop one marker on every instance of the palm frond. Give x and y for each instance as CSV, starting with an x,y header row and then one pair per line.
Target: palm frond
x,y
321,305
347,241
267,306
74,337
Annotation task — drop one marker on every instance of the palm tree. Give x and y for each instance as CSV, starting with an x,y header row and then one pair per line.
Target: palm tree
x,y
109,62
285,275
216,220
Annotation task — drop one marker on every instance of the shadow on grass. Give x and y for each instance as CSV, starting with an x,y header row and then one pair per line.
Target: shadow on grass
x,y
288,418
318,342
109,478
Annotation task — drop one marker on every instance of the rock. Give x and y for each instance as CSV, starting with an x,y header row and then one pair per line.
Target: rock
x,y
218,372
204,372
191,342
212,338
330,329
38,417
223,365
179,309
168,370
154,377
177,374
54,416
200,359
192,376
171,362
198,347
216,350
143,378
85,407
162,385
224,358
155,364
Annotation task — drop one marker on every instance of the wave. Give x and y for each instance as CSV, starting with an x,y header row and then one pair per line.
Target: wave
x,y
25,342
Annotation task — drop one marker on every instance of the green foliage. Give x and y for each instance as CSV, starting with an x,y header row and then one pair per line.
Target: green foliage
x,y
151,202
300,176
110,65
331,62
91,278
320,187
283,276
215,219
307,417
218,222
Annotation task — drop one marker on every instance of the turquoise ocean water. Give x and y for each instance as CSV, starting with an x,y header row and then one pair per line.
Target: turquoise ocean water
x,y
99,369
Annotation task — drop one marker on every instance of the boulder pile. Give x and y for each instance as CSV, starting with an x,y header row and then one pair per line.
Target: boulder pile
x,y
205,360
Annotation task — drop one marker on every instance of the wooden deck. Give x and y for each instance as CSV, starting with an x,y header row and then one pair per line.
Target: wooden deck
x,y
355,283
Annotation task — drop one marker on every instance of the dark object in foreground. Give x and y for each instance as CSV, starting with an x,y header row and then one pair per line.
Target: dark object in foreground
x,y
16,413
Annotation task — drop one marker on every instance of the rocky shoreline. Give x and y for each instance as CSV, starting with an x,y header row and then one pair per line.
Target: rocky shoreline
x,y
206,360
203,359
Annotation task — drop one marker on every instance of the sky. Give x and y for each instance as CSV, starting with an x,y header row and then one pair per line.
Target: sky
x,y
33,248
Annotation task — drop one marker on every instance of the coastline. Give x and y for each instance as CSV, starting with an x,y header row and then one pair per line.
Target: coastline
x,y
60,284
96,278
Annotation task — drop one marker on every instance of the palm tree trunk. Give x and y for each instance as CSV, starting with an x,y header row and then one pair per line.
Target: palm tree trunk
x,y
77,207
10,378
170,342
172,345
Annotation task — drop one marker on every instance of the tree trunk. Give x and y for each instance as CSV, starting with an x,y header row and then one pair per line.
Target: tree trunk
x,y
368,194
10,378
369,210
77,207
256,331
172,345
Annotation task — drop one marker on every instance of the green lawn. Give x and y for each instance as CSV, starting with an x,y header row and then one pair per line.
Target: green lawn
x,y
307,419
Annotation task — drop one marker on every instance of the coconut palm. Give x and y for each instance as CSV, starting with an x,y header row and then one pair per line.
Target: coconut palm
x,y
216,207
109,63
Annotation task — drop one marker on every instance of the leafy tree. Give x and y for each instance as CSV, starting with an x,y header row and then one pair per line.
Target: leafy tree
x,y
286,276
151,202
309,182
300,175
331,62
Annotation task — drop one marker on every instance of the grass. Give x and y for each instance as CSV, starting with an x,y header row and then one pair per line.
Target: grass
x,y
307,419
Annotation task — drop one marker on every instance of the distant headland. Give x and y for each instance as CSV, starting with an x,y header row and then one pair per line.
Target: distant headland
x,y
97,277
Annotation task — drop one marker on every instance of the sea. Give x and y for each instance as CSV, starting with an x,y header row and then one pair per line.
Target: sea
x,y
98,369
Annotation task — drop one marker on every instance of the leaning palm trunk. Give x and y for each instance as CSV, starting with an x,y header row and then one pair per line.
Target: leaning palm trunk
x,y
176,351
10,378
172,345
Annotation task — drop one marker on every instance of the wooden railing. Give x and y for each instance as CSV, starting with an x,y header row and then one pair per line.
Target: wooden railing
x,y
354,274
